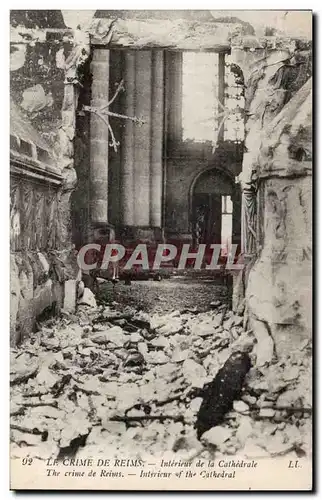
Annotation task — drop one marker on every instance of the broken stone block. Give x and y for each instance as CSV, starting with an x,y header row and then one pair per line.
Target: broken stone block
x,y
194,373
291,397
278,445
167,372
238,320
51,343
222,343
291,373
22,369
240,406
17,56
46,378
228,323
157,358
136,337
70,296
195,404
263,403
244,430
264,347
205,329
134,358
43,297
35,99
71,432
293,435
253,450
256,382
216,436
87,299
234,333
127,396
266,413
244,343
211,364
160,341
250,400
172,326
101,281
114,335
215,303
187,443
80,289
143,349
179,355
46,412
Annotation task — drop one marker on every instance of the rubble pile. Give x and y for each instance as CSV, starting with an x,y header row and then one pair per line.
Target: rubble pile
x,y
115,380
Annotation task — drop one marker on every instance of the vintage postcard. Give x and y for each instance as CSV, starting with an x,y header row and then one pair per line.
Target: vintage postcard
x,y
161,250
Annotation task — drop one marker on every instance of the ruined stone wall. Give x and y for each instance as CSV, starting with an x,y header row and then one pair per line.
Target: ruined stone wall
x,y
276,184
37,69
45,76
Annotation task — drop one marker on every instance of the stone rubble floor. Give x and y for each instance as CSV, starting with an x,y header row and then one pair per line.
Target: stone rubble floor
x,y
179,292
111,379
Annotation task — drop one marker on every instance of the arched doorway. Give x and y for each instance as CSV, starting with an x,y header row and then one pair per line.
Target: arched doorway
x,y
215,208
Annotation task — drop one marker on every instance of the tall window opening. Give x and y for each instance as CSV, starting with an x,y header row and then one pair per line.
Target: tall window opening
x,y
199,96
212,98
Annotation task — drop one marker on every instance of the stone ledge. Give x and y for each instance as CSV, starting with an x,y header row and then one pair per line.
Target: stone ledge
x,y
23,166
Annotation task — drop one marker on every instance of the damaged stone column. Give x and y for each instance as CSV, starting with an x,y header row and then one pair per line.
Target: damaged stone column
x,y
127,162
156,139
142,144
99,140
142,135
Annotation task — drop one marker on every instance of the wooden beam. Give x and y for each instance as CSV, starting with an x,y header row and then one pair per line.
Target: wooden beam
x,y
172,34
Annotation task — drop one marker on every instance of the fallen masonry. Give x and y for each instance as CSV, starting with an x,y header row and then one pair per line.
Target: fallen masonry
x,y
75,396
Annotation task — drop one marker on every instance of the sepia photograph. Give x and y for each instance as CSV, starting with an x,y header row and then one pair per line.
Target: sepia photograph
x,y
161,250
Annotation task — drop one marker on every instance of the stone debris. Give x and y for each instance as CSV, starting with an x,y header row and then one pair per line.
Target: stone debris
x,y
217,436
244,430
111,376
112,335
87,298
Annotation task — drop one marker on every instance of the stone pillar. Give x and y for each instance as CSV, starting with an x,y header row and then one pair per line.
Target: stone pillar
x,y
142,139
142,145
99,138
127,162
156,139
